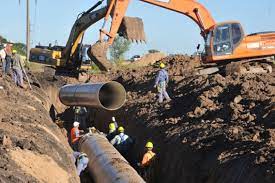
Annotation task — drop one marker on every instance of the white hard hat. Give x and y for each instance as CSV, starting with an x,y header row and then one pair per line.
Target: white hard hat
x,y
113,119
5,45
76,124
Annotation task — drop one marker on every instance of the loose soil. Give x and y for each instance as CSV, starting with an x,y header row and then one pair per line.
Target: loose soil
x,y
32,147
216,129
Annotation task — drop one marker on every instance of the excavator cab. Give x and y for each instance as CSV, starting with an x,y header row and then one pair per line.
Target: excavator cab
x,y
226,38
223,39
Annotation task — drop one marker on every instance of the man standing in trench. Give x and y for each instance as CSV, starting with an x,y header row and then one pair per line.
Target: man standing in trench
x,y
146,168
161,83
75,135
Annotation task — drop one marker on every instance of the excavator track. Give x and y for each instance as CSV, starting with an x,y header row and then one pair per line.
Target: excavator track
x,y
253,66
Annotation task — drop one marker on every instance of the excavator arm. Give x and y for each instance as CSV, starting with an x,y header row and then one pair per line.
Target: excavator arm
x,y
84,21
117,10
191,8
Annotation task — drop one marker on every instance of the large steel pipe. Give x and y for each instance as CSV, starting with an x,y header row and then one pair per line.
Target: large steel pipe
x,y
110,95
106,165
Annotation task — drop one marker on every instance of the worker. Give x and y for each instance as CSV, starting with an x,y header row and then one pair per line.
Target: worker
x,y
122,142
146,170
81,161
161,83
75,135
3,58
112,131
17,68
6,62
80,115
148,156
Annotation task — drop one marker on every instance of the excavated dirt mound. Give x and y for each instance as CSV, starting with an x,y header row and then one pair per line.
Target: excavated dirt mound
x,y
216,129
32,147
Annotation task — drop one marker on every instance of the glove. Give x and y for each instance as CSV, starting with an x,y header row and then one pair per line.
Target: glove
x,y
138,164
155,86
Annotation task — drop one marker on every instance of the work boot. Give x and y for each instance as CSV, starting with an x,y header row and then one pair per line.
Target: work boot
x,y
23,86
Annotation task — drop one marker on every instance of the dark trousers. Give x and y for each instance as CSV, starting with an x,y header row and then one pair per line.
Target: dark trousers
x,y
6,65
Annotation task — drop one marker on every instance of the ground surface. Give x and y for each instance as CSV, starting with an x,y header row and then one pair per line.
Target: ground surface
x,y
32,147
216,129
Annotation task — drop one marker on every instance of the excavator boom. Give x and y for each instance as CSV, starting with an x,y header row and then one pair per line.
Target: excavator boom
x,y
77,33
133,27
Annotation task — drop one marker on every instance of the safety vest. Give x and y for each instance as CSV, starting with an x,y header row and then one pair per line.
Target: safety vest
x,y
122,137
74,134
147,158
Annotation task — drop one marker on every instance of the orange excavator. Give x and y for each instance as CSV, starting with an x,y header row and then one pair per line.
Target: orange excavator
x,y
224,42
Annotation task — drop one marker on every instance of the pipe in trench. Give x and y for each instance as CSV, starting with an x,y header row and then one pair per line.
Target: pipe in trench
x,y
110,95
106,165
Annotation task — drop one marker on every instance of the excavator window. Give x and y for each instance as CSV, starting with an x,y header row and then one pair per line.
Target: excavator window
x,y
222,40
237,33
226,38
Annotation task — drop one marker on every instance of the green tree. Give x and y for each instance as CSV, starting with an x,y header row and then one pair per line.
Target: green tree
x,y
3,40
20,48
119,48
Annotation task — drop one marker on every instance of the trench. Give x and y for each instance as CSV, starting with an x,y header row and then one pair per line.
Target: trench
x,y
64,117
176,161
182,169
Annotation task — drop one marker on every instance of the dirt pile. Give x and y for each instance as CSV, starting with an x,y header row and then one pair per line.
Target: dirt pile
x,y
216,129
146,60
32,147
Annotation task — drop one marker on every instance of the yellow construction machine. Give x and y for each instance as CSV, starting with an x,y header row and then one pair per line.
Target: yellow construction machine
x,y
70,57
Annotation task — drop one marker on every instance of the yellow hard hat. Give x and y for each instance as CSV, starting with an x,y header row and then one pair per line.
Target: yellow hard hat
x,y
112,126
14,51
149,145
121,129
162,65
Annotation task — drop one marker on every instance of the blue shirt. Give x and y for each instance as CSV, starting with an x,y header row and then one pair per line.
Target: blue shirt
x,y
162,76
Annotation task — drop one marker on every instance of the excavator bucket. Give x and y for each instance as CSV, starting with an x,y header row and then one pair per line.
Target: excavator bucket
x,y
132,28
98,54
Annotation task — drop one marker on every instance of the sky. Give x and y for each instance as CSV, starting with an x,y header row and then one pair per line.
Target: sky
x,y
167,31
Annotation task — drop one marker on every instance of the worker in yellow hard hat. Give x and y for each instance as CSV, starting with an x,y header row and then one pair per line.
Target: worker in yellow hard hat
x,y
17,68
122,142
148,156
161,83
112,131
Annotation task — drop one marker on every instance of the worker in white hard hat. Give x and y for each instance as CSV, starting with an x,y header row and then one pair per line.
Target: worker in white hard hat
x,y
75,135
81,161
161,83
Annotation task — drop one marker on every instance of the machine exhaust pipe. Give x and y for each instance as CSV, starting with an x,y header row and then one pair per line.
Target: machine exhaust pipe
x,y
105,163
110,95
